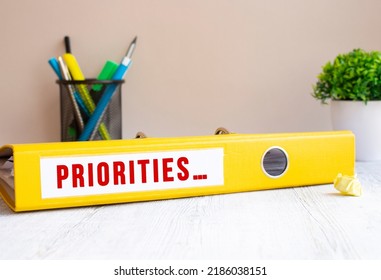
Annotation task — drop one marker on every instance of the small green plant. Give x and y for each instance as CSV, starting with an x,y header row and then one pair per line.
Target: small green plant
x,y
352,76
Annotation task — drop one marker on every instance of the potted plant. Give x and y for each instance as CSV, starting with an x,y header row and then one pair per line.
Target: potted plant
x,y
352,83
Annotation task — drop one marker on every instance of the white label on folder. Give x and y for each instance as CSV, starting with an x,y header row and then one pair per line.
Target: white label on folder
x,y
132,172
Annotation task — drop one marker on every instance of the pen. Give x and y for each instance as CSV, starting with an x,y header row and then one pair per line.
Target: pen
x,y
110,67
55,65
77,74
94,121
53,62
71,89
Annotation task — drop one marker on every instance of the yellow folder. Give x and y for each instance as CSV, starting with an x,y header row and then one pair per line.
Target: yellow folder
x,y
69,174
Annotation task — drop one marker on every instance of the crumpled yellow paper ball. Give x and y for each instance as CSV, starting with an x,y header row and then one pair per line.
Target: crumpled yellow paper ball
x,y
348,185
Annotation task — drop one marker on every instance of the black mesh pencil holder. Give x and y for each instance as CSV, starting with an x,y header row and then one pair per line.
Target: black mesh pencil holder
x,y
79,99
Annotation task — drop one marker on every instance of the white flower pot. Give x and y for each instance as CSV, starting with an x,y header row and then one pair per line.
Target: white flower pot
x,y
364,120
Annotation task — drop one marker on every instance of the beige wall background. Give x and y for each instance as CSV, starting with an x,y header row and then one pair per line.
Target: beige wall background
x,y
247,65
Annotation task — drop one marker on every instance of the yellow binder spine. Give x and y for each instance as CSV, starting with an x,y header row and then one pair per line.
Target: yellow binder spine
x,y
55,175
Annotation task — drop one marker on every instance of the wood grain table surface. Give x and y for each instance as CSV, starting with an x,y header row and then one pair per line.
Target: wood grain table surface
x,y
304,223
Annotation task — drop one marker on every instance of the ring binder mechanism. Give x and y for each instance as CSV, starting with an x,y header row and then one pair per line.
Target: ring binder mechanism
x,y
221,130
69,174
140,135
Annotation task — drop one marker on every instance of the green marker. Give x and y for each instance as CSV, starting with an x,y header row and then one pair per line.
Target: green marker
x,y
107,72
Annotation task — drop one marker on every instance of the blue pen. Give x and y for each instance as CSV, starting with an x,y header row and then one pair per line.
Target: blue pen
x,y
95,119
54,64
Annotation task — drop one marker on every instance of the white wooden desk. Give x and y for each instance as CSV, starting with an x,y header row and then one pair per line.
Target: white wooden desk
x,y
296,223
